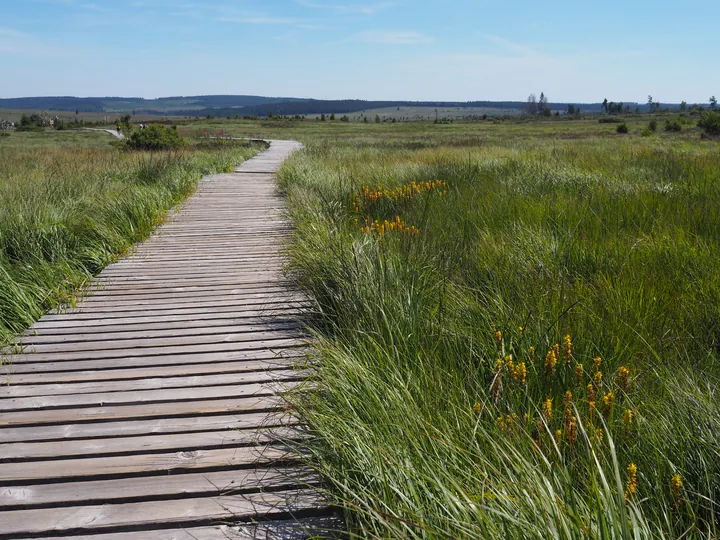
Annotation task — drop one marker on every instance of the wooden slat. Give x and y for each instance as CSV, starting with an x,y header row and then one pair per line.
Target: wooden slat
x,y
189,348
272,357
119,333
151,410
146,444
139,464
290,529
145,383
153,513
183,424
208,484
219,335
11,404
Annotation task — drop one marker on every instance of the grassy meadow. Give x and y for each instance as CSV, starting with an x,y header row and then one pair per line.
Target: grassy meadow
x,y
71,202
517,328
517,321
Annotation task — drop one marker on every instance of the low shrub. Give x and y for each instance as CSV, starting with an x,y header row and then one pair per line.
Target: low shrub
x,y
672,125
623,128
609,120
646,131
710,122
653,125
156,137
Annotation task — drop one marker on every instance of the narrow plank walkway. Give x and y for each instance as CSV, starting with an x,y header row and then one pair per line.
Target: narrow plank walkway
x,y
152,409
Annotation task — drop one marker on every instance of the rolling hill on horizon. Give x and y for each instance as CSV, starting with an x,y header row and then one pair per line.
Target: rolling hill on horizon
x,y
248,105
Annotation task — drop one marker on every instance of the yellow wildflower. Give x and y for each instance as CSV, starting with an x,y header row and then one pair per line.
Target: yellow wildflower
x,y
591,393
572,430
477,407
558,434
578,373
521,373
598,378
498,339
551,361
532,355
631,487
567,344
627,418
607,400
510,364
547,409
568,406
623,375
596,363
676,488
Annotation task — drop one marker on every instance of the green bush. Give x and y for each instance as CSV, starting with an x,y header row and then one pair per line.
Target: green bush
x,y
156,137
653,125
623,128
672,125
710,122
34,122
646,131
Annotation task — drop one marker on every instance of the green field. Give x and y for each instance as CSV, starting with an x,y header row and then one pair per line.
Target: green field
x,y
516,321
71,202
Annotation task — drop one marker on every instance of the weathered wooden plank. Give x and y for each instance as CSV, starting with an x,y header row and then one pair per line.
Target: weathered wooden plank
x,y
144,444
159,312
190,323
157,426
206,484
75,320
118,466
146,383
269,342
152,410
135,397
139,337
250,357
232,296
290,529
105,293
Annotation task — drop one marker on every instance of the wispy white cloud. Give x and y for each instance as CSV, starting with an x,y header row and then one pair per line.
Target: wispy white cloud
x,y
313,27
258,20
366,9
392,37
17,43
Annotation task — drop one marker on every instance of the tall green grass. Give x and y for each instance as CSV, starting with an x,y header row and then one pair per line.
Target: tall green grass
x,y
420,432
65,213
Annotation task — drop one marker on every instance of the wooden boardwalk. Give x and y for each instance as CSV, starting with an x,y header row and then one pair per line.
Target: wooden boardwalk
x,y
151,410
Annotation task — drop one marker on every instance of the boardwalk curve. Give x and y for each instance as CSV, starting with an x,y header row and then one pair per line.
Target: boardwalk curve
x,y
151,409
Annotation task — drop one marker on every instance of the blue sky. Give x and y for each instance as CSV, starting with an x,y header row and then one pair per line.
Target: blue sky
x,y
368,49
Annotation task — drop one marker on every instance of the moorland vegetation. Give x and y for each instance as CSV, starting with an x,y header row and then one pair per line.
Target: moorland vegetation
x,y
517,334
516,320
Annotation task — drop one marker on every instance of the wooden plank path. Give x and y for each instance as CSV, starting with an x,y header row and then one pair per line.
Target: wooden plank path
x,y
151,410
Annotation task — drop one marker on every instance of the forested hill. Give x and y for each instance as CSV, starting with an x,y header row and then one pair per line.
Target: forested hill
x,y
243,105
188,105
